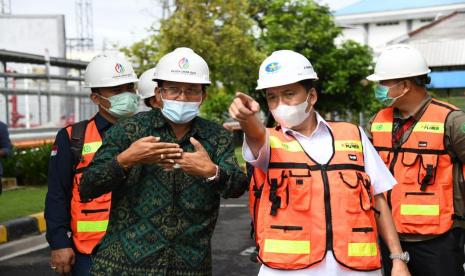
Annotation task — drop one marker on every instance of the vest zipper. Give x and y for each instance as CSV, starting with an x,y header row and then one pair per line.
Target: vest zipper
x,y
329,226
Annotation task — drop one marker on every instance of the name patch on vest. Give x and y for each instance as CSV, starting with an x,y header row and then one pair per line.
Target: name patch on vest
x,y
431,127
348,145
422,144
353,157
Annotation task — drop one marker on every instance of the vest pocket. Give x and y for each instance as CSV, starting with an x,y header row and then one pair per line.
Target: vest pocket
x,y
353,196
300,191
363,243
366,197
409,159
286,244
419,208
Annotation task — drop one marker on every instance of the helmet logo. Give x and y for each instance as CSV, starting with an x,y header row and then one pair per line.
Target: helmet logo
x,y
183,63
119,68
272,67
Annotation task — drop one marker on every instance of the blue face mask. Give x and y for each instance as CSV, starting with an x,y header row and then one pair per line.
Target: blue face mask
x,y
381,94
180,112
122,105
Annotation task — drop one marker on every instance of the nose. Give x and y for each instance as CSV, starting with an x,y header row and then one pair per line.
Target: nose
x,y
182,96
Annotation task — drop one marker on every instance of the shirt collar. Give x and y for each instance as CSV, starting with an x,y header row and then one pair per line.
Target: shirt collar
x,y
321,124
424,104
101,122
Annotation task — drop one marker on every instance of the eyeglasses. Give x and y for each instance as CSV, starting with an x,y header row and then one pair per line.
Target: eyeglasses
x,y
174,92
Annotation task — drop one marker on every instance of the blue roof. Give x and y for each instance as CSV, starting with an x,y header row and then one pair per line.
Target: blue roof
x,y
447,79
369,6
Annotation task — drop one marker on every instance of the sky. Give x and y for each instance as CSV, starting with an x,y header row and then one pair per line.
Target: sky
x,y
120,22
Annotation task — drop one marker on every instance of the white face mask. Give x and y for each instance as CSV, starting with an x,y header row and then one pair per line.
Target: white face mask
x,y
290,116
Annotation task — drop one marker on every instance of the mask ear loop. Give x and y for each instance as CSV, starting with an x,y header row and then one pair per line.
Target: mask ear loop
x,y
394,99
105,98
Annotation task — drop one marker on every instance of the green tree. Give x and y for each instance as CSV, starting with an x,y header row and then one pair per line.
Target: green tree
x,y
220,32
308,28
235,36
143,53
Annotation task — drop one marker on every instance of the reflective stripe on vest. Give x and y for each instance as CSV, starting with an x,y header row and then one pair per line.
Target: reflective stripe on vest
x,y
419,210
423,201
429,127
292,146
91,147
290,234
89,220
287,246
362,249
92,226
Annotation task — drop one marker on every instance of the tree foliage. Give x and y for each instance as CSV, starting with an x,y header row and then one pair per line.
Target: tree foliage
x,y
309,29
235,36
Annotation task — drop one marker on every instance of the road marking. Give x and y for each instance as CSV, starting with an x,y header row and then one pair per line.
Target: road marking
x,y
24,251
248,251
233,205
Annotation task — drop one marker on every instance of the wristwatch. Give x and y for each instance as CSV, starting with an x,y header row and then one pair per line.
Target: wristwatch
x,y
216,176
404,256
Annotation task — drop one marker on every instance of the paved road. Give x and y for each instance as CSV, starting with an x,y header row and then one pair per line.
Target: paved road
x,y
230,239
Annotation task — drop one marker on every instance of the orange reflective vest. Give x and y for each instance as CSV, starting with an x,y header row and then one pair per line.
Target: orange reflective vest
x,y
255,190
89,220
423,201
306,208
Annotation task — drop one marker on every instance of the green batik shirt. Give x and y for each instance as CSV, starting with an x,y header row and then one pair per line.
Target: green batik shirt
x,y
161,223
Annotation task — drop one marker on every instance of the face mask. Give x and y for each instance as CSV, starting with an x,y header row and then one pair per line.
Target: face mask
x,y
122,105
381,94
291,115
180,112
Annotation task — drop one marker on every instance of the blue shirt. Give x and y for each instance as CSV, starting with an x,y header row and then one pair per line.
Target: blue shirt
x,y
60,187
5,144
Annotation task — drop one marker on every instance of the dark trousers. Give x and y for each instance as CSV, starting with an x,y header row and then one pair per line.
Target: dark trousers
x,y
441,256
81,265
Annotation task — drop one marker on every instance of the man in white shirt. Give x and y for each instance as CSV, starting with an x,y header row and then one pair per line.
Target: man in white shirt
x,y
287,79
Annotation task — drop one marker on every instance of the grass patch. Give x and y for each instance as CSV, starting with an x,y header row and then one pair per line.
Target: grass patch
x,y
22,202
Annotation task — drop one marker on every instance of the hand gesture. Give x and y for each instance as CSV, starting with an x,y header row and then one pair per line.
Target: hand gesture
x,y
197,163
149,150
242,107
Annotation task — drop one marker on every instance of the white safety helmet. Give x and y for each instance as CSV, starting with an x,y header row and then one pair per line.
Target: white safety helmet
x,y
108,71
146,84
284,67
399,61
182,65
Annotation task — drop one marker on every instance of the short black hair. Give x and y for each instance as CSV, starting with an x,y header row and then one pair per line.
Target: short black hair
x,y
307,84
421,81
147,101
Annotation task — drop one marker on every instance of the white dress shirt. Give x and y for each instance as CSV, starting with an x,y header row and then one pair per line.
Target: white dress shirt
x,y
319,146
